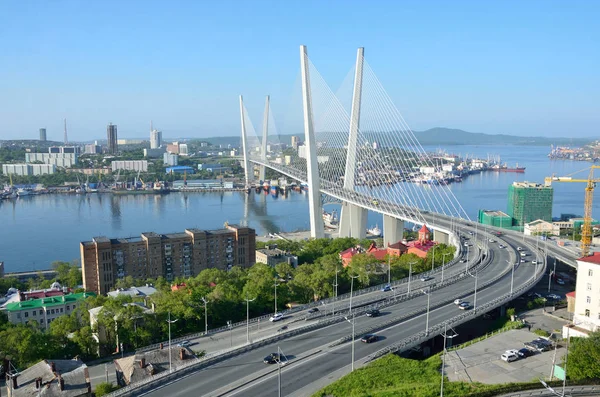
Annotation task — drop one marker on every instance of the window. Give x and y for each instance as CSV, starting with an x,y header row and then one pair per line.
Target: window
x,y
589,286
587,312
68,307
34,313
590,272
588,299
61,310
18,315
26,314
41,312
42,321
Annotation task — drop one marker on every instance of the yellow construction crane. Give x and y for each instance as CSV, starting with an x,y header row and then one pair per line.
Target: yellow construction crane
x,y
586,229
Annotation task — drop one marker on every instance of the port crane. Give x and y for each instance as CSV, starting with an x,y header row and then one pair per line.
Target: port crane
x,y
586,229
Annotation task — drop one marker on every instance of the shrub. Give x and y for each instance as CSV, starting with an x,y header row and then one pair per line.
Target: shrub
x,y
104,388
541,332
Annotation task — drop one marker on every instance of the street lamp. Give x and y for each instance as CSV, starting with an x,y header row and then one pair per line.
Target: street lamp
x,y
467,262
351,288
248,317
230,326
276,294
170,322
512,275
409,276
279,365
475,295
389,270
351,322
205,315
445,335
444,263
432,257
427,316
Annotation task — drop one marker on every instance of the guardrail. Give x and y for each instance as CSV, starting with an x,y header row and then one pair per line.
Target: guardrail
x,y
414,340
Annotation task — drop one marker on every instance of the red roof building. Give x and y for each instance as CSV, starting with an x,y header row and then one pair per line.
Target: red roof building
x,y
594,258
423,244
395,249
178,287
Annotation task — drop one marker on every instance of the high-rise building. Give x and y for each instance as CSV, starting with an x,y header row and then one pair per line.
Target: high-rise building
x,y
295,142
183,149
42,134
155,139
111,138
104,260
529,202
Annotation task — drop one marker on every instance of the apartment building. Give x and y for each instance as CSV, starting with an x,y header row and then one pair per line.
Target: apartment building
x,y
105,260
586,317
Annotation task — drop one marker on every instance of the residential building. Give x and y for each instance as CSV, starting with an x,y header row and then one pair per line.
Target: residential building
x,y
183,149
180,169
295,142
168,255
130,141
57,155
111,138
155,139
28,169
173,147
204,144
44,310
271,255
529,201
495,218
143,365
154,153
171,159
586,317
129,165
51,378
93,148
64,150
541,227
43,134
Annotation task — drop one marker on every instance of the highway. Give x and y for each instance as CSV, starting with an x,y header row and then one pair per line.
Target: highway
x,y
297,376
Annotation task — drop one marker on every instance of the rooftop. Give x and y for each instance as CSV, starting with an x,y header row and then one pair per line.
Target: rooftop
x,y
594,258
496,213
154,362
229,229
526,184
48,302
133,291
74,373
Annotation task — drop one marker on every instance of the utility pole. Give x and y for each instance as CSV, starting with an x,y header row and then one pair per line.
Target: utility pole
x,y
389,270
512,275
444,264
351,288
432,258
410,265
427,316
276,294
445,335
352,322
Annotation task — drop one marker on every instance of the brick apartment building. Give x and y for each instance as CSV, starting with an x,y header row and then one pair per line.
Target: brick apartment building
x,y
105,260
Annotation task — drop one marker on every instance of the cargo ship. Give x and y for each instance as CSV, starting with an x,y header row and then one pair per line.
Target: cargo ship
x,y
506,168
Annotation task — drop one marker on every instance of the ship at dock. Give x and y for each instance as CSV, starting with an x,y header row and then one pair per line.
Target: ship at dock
x,y
330,219
505,168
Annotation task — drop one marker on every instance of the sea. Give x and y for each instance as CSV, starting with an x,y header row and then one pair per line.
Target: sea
x,y
37,230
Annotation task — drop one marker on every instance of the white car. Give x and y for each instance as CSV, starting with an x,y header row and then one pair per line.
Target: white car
x,y
534,262
509,357
492,240
500,246
276,317
457,301
519,249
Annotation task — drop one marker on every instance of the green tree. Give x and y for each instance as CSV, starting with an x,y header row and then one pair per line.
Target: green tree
x,y
584,357
364,266
62,270
104,388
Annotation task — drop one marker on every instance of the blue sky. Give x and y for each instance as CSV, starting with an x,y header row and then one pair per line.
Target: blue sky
x,y
522,68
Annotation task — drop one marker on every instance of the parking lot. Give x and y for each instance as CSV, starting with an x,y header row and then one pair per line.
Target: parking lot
x,y
481,361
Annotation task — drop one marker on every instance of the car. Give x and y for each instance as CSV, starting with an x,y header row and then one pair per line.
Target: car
x,y
554,297
466,244
369,338
463,261
471,233
276,317
509,357
373,313
458,301
500,246
512,351
426,278
184,343
560,281
523,260
523,253
492,240
464,306
525,352
274,358
534,262
538,345
387,288
519,249
313,310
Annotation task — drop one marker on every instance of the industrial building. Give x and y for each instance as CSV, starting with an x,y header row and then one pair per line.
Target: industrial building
x,y
152,255
203,184
180,169
528,202
271,255
213,167
495,218
28,169
129,165
111,138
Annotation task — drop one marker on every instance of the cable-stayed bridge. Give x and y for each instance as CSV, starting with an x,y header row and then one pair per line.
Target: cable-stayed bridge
x,y
362,155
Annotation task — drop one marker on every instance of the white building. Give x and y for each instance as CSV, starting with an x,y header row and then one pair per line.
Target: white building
x,y
130,165
154,153
540,226
65,160
93,148
155,139
28,169
587,297
183,149
170,159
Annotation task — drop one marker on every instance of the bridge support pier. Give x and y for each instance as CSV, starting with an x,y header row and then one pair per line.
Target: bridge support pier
x,y
353,221
317,230
393,230
441,237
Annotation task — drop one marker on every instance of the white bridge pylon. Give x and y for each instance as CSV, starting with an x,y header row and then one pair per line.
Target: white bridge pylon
x,y
364,157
